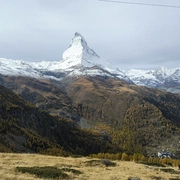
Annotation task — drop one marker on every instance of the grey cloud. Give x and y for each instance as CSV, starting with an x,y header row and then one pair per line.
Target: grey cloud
x,y
126,35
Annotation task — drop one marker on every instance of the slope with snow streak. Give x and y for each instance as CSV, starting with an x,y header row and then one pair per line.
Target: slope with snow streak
x,y
80,54
163,78
162,73
17,67
79,59
142,77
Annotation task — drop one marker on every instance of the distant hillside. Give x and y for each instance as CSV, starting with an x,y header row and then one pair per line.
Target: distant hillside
x,y
147,116
42,93
23,128
112,101
134,118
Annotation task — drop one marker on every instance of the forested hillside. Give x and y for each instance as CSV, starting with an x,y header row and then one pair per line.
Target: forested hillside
x,y
131,118
24,128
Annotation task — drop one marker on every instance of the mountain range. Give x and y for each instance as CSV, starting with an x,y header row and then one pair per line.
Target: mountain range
x,y
79,60
162,78
96,97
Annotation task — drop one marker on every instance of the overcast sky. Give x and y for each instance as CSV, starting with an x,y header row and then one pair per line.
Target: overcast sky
x,y
129,36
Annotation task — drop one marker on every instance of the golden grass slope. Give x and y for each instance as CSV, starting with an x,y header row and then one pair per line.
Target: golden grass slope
x,y
123,170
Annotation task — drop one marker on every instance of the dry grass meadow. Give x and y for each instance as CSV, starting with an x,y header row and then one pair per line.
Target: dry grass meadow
x,y
122,171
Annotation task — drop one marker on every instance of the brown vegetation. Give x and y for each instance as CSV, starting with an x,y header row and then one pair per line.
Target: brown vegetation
x,y
122,171
23,128
129,118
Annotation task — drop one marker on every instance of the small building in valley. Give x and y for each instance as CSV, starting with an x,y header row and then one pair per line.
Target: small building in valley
x,y
164,154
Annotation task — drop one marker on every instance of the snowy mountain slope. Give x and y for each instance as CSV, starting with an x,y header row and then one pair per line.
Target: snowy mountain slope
x,y
142,77
80,54
77,55
79,59
163,78
175,77
17,67
153,77
162,73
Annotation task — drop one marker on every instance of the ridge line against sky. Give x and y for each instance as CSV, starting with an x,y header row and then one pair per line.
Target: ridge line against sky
x,y
139,37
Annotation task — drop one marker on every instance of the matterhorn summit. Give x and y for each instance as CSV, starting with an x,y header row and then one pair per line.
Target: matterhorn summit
x,y
79,54
79,59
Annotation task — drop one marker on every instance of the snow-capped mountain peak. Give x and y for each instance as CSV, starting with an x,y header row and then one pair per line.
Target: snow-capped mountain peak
x,y
78,40
77,60
79,54
164,71
80,59
162,77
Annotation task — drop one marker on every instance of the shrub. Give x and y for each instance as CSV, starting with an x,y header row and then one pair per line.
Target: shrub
x,y
107,162
47,172
134,178
152,164
93,162
156,178
74,171
172,171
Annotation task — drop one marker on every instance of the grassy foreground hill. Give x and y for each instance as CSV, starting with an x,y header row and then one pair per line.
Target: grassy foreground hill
x,y
79,168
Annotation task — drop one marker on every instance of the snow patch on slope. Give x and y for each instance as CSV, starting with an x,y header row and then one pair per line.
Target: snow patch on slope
x,y
162,77
142,77
17,67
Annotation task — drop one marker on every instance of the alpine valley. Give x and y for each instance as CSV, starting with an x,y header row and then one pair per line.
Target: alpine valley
x,y
83,104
